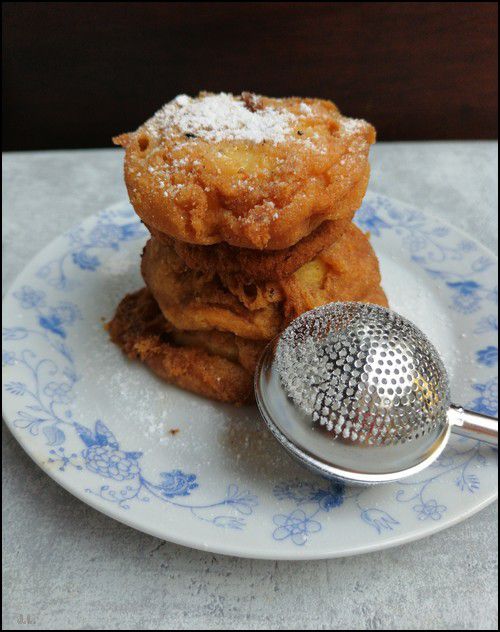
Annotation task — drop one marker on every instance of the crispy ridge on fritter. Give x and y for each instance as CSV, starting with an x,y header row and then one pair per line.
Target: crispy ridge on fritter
x,y
198,300
194,300
216,365
248,265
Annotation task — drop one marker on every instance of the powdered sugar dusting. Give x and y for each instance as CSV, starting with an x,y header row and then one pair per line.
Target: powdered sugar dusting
x,y
219,117
352,125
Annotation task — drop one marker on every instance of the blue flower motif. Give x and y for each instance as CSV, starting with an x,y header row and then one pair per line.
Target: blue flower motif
x,y
440,231
467,246
430,509
177,483
331,497
63,314
489,323
379,519
30,298
369,220
464,287
488,356
466,303
16,388
59,392
52,323
85,261
59,456
469,482
243,502
54,435
466,296
297,526
481,263
111,463
66,313
8,358
307,500
131,231
487,402
28,422
106,236
416,243
104,456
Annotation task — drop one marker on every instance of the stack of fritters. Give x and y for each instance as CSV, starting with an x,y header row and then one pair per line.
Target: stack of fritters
x,y
249,202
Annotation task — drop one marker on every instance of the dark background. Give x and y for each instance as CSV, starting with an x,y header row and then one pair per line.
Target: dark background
x,y
77,73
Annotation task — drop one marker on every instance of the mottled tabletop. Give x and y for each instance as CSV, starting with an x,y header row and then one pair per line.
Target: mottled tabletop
x,y
66,566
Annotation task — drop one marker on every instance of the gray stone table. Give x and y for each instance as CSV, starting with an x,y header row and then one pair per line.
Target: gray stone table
x,y
68,567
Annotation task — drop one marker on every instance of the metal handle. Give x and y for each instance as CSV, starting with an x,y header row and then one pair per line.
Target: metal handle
x,y
473,425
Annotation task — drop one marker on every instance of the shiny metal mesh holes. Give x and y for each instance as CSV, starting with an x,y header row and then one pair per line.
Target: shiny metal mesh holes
x,y
363,373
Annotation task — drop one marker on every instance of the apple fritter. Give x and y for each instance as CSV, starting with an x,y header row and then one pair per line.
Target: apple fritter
x,y
214,364
248,170
249,265
202,300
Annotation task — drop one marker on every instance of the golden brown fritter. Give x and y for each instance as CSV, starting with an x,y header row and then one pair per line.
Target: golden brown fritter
x,y
200,300
195,300
347,271
251,171
217,365
247,265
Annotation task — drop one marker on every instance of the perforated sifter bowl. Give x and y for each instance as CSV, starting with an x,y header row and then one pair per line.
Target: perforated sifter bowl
x,y
357,392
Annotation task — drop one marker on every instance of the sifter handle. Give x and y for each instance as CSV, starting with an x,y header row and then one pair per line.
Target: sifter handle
x,y
473,425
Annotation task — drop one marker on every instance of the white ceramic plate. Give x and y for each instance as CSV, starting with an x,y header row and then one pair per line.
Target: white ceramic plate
x,y
100,425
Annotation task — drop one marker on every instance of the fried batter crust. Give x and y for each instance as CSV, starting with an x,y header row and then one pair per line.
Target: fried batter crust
x,y
194,300
199,300
249,266
215,365
261,194
347,271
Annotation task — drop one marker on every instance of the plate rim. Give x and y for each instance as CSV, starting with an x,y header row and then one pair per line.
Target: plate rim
x,y
411,535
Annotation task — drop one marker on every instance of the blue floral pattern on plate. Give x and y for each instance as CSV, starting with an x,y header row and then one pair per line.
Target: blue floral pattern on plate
x,y
108,233
48,386
42,377
50,383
